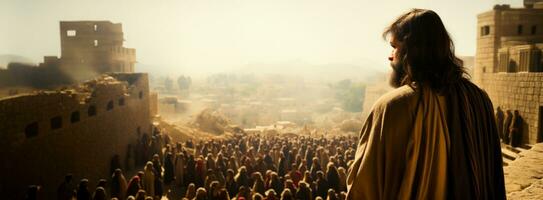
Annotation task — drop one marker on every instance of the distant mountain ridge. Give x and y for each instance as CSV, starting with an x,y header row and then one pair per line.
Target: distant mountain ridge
x,y
330,71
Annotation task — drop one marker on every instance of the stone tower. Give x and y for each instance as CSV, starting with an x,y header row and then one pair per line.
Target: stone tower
x,y
95,46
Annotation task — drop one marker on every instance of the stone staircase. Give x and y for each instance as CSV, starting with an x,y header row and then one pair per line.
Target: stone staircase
x,y
510,153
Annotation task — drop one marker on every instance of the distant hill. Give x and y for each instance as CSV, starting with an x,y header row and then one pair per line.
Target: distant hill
x,y
329,72
5,59
361,71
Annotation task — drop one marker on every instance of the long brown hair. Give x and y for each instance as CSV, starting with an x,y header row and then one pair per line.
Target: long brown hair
x,y
427,51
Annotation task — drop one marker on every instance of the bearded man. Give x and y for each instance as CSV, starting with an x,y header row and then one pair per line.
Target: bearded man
x,y
434,136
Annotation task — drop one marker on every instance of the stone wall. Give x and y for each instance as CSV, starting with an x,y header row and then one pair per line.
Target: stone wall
x,y
153,104
500,33
522,92
41,138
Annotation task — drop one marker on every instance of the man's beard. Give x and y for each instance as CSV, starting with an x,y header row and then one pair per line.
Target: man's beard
x,y
397,75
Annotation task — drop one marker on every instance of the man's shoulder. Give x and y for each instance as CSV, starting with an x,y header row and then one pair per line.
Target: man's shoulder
x,y
399,97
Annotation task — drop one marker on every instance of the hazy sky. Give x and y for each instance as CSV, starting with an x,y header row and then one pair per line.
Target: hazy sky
x,y
185,36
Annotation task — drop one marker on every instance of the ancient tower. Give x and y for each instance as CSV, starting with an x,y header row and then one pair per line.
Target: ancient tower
x,y
95,46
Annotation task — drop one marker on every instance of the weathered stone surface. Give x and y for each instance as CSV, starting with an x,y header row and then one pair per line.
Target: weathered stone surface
x,y
523,176
83,148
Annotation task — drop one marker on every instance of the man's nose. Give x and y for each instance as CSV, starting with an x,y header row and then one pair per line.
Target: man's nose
x,y
390,58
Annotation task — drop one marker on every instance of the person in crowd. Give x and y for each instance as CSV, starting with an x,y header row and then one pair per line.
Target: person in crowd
x,y
118,184
66,189
99,194
191,191
134,185
149,179
83,192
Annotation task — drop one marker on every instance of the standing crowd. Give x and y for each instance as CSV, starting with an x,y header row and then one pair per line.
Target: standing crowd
x,y
245,166
510,127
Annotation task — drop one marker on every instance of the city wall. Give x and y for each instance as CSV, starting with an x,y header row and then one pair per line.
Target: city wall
x,y
522,92
49,134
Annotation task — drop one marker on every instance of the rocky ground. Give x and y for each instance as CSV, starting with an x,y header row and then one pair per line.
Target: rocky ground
x,y
523,168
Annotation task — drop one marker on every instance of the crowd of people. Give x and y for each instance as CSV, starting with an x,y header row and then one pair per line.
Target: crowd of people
x,y
245,166
509,127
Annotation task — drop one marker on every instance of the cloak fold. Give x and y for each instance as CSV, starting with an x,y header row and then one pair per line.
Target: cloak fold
x,y
416,144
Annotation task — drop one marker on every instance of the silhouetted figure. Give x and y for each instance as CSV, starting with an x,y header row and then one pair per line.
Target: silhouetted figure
x,y
287,195
242,179
258,185
102,183
271,195
515,133
275,183
220,164
141,195
332,176
159,187
201,194
190,170
210,177
331,195
342,179
134,185
83,192
168,169
506,125
191,191
315,167
149,179
180,161
242,193
499,122
282,166
230,183
99,194
118,185
200,172
32,192
66,189
322,184
157,165
303,192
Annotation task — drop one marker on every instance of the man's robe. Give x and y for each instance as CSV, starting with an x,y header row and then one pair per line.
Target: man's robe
x,y
417,144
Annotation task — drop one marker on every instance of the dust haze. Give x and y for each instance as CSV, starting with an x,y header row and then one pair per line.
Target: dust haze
x,y
112,85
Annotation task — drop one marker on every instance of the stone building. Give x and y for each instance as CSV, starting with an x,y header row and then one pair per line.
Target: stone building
x,y
88,49
47,134
509,65
95,45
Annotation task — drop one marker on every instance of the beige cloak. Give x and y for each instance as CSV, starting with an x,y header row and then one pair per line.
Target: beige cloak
x,y
416,144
